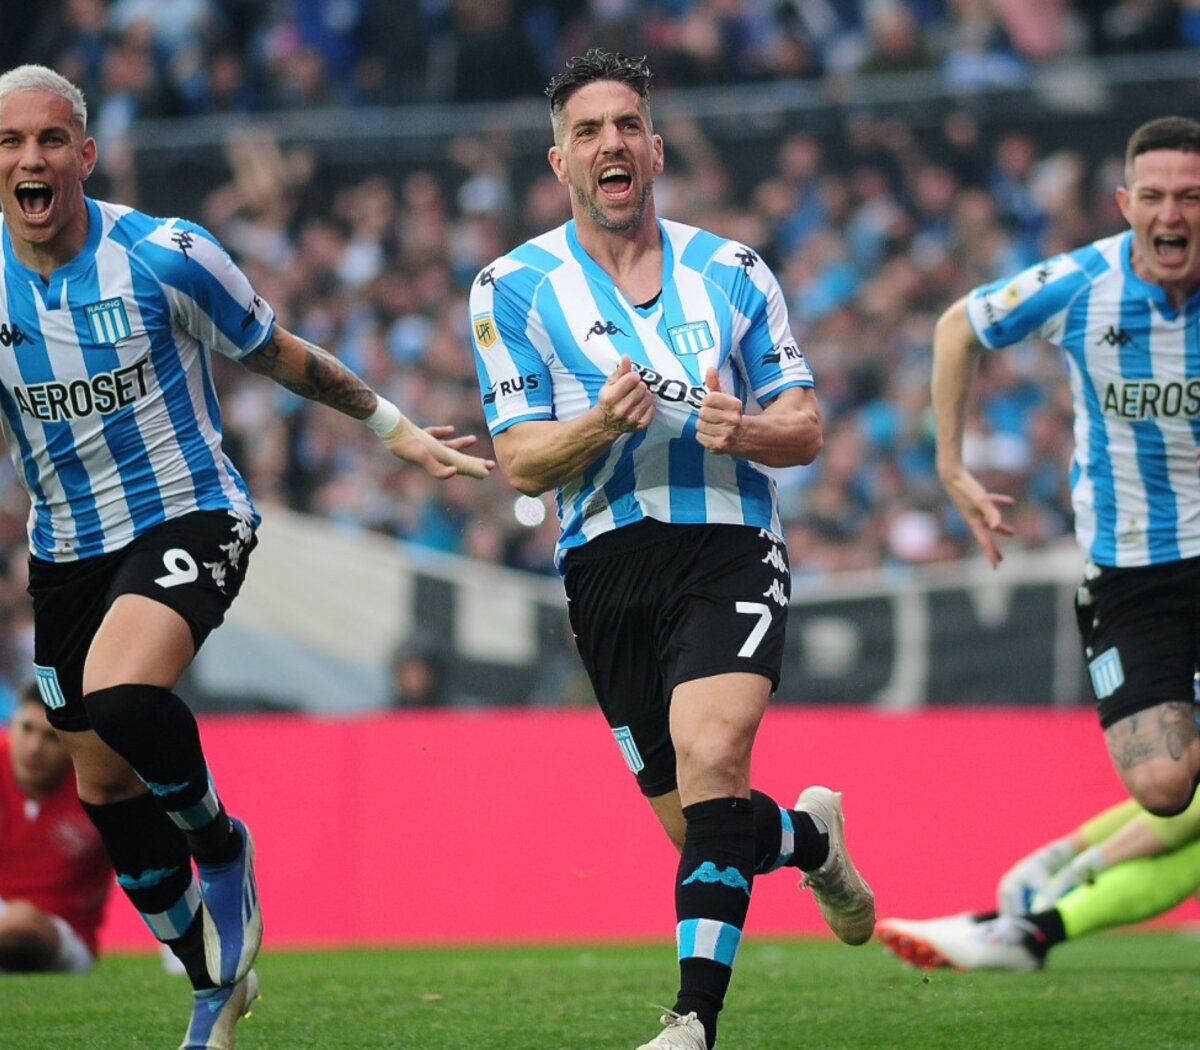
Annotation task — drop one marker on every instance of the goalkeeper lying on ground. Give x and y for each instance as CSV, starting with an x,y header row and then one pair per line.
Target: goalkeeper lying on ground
x,y
1122,866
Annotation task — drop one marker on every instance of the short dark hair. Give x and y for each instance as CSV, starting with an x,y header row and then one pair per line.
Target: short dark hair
x,y
598,64
1177,133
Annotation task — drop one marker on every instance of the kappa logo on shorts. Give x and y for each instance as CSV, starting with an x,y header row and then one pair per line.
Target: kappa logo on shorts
x,y
629,750
1107,673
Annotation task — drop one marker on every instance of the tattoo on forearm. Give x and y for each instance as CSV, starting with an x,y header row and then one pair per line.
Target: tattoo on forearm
x,y
325,379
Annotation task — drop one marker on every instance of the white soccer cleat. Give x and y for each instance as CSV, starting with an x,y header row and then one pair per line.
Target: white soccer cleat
x,y
910,939
680,1032
846,901
998,944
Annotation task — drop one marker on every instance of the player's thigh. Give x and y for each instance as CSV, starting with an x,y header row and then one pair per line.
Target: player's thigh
x,y
727,613
193,565
69,603
1139,629
614,608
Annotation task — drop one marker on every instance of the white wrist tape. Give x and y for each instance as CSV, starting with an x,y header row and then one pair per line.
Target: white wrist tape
x,y
386,417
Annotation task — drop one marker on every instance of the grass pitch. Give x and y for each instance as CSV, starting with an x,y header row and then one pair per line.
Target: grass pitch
x,y
1135,991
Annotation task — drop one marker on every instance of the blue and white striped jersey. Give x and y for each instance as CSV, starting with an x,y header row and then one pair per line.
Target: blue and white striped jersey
x,y
1134,368
549,326
109,408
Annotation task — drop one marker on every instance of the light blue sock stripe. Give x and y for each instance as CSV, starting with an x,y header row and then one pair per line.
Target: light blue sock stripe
x,y
708,939
787,840
172,923
199,815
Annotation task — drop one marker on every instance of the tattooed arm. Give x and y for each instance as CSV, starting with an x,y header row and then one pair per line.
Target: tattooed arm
x,y
314,373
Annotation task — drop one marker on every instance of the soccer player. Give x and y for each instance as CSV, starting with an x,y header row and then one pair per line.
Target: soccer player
x,y
646,370
140,526
54,874
1122,866
1125,312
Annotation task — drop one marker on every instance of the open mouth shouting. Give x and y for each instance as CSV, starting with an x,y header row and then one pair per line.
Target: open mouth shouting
x,y
34,198
1170,249
616,182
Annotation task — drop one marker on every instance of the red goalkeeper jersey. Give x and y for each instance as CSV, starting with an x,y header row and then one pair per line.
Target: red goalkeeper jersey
x,y
50,854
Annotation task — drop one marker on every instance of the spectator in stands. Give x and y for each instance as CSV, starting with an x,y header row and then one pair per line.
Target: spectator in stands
x,y
418,676
54,874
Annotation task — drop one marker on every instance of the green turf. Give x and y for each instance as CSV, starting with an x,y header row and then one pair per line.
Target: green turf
x,y
1136,991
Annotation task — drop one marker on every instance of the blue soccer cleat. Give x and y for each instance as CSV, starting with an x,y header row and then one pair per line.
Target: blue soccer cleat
x,y
216,1012
232,918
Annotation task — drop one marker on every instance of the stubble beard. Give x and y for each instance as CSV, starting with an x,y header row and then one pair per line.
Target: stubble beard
x,y
591,202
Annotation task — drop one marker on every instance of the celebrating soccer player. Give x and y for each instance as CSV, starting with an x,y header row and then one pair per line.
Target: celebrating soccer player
x,y
647,371
141,527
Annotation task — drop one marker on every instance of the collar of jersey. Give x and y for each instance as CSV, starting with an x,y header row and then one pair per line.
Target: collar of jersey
x,y
595,272
69,269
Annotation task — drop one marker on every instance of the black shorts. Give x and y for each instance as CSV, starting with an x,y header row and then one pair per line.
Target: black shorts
x,y
1141,635
654,605
194,564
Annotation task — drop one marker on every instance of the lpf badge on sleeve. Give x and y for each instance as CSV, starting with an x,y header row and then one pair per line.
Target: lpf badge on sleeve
x,y
485,330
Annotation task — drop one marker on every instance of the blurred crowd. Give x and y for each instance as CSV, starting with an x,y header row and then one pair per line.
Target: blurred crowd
x,y
871,234
178,57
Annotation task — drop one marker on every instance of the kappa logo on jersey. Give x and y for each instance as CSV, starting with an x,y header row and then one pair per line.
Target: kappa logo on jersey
x,y
248,320
485,331
486,277
108,321
1044,273
1116,336
11,335
507,387
183,240
105,392
604,328
747,258
692,338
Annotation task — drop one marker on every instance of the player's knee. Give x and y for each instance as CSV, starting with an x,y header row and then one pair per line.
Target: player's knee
x,y
128,717
1163,793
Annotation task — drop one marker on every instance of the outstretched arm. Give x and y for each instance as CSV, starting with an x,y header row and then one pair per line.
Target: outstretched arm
x,y
955,358
314,373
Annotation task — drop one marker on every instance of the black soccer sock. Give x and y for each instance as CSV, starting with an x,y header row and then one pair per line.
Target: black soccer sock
x,y
785,837
153,865
712,895
156,733
1050,931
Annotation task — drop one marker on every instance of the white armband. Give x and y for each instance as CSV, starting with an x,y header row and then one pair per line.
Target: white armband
x,y
386,417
